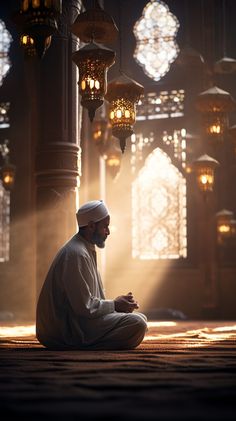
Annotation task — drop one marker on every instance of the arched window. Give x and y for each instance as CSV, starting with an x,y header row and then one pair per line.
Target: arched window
x,y
159,210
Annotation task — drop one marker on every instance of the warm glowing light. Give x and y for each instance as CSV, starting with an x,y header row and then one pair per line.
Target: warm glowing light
x,y
224,228
155,33
8,179
193,338
113,161
215,129
16,331
91,83
118,113
83,85
161,324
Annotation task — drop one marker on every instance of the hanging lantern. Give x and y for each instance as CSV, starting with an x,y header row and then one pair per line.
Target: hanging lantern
x,y
223,224
93,63
99,129
123,94
29,47
112,155
214,104
8,175
38,20
205,169
95,24
101,134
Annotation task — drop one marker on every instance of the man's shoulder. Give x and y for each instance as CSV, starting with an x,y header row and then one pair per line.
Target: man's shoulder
x,y
75,246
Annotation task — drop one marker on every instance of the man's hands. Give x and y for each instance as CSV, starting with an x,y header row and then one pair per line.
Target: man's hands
x,y
125,303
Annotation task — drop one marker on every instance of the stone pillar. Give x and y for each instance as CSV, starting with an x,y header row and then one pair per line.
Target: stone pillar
x,y
57,143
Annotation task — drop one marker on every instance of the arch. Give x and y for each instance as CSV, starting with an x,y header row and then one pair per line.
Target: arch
x,y
159,210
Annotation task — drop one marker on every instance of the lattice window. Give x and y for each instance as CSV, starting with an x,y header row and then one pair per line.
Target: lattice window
x,y
155,33
176,139
159,210
4,224
167,104
5,42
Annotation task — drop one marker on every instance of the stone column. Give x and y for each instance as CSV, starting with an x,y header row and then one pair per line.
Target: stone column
x,y
57,143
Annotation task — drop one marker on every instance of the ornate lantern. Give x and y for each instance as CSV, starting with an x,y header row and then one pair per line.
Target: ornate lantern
x,y
95,24
93,63
38,19
214,104
8,175
28,45
223,222
123,94
205,169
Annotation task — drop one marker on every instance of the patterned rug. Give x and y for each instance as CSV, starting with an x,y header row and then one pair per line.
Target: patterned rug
x,y
182,371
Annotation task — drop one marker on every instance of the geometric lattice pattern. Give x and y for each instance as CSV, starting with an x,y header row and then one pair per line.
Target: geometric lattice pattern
x,y
4,224
159,210
5,41
155,33
166,104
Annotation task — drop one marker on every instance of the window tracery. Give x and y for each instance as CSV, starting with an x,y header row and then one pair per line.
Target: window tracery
x,y
155,33
159,210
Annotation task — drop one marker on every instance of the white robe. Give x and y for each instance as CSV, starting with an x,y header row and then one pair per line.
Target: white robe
x,y
72,311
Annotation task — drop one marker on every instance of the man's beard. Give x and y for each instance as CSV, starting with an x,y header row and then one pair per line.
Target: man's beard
x,y
98,240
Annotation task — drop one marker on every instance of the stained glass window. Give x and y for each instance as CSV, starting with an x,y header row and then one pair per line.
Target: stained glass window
x,y
5,41
155,33
166,104
159,210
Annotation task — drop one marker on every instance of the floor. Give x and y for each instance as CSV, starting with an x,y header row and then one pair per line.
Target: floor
x,y
182,371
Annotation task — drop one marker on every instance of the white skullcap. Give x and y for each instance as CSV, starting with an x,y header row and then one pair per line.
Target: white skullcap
x,y
94,211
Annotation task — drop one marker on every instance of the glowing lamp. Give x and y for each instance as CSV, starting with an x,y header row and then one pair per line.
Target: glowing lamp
x,y
95,24
112,156
99,131
223,223
93,63
8,175
29,46
205,172
214,104
38,19
123,94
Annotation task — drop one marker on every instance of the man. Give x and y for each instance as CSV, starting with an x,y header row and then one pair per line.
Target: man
x,y
72,312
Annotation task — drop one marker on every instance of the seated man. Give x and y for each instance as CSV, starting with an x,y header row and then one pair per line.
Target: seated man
x,y
72,312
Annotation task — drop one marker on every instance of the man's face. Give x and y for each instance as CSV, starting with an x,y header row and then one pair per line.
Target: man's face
x,y
101,232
